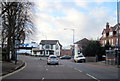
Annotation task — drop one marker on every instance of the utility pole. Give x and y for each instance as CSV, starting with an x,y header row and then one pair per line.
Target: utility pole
x,y
73,39
118,19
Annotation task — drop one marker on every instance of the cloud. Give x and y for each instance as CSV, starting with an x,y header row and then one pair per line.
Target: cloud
x,y
83,4
86,24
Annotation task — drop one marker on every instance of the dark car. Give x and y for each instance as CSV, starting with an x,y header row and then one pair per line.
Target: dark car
x,y
65,57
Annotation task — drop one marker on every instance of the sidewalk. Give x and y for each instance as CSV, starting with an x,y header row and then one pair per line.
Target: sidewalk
x,y
9,67
102,63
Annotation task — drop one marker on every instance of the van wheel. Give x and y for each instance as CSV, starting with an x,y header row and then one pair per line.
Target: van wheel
x,y
84,61
76,61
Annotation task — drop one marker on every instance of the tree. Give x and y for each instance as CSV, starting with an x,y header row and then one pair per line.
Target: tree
x,y
94,49
16,25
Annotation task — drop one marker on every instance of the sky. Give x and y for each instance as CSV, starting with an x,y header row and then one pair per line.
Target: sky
x,y
87,17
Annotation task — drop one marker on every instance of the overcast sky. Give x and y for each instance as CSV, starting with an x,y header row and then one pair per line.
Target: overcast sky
x,y
88,18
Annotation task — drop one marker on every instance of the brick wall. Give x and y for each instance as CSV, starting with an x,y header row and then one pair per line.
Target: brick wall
x,y
66,52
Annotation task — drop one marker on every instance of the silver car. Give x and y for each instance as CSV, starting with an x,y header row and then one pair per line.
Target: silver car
x,y
53,59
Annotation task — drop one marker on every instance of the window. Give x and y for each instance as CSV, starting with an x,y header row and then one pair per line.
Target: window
x,y
43,47
119,31
47,47
105,42
51,46
56,47
117,41
109,41
35,52
111,33
112,41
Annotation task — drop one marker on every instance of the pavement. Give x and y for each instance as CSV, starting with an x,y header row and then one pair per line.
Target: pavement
x,y
9,67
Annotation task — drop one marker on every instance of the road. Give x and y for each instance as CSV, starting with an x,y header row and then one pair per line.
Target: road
x,y
39,70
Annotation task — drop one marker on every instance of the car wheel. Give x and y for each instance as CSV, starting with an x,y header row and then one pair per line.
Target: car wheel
x,y
84,61
48,63
76,61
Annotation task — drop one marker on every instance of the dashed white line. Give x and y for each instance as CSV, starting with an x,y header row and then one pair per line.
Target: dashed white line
x,y
77,69
43,78
92,77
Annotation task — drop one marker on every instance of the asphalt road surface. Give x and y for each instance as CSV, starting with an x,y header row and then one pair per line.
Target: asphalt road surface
x,y
67,70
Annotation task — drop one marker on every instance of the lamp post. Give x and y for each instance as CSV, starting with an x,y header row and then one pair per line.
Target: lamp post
x,y
73,39
118,17
45,36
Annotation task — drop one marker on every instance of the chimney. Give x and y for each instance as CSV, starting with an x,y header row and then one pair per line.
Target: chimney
x,y
107,25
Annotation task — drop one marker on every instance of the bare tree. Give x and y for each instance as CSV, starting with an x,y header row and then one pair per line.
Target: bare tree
x,y
16,25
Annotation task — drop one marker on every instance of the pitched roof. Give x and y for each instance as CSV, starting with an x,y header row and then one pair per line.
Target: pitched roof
x,y
49,42
83,41
114,28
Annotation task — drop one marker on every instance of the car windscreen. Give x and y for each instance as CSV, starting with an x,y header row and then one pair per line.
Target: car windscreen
x,y
80,56
53,57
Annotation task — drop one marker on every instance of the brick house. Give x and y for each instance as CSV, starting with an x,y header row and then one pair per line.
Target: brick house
x,y
82,43
66,52
110,35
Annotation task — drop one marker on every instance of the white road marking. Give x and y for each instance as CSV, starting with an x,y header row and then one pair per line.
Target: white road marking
x,y
77,69
92,77
43,78
46,69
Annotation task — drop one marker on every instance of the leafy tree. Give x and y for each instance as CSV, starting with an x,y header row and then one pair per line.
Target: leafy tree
x,y
94,49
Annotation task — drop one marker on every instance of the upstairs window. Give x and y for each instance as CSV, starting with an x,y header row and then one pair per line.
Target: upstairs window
x,y
110,33
57,47
47,47
51,46
119,31
114,32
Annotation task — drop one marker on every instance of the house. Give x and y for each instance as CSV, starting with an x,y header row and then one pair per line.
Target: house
x,y
66,52
82,43
48,47
110,35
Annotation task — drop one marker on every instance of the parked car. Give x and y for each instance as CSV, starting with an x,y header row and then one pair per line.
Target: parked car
x,y
53,59
65,57
79,58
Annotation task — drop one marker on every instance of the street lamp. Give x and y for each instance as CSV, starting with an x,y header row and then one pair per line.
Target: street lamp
x,y
118,17
45,36
73,32
73,39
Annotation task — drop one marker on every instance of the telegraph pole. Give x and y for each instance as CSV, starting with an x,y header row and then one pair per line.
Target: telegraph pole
x,y
118,22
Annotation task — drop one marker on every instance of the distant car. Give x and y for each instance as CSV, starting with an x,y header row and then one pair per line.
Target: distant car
x,y
53,59
65,57
79,58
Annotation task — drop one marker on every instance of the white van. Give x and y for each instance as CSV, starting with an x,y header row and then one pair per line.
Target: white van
x,y
79,58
